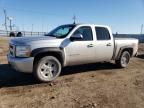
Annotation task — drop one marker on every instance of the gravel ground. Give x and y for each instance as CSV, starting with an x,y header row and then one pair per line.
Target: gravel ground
x,y
86,86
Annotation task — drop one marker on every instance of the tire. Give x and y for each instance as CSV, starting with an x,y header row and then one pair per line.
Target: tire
x,y
47,69
124,59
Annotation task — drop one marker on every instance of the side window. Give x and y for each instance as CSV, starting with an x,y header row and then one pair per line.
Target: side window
x,y
86,32
102,33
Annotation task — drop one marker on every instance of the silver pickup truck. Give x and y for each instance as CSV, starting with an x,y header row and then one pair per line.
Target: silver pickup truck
x,y
67,45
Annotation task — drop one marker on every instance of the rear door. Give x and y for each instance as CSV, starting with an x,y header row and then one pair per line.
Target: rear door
x,y
104,44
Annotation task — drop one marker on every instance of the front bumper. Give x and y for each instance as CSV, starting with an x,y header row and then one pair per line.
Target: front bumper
x,y
21,64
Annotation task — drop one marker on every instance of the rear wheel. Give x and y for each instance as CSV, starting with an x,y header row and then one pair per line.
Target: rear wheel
x,y
47,69
124,59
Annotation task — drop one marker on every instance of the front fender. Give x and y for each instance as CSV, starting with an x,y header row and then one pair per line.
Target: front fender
x,y
48,50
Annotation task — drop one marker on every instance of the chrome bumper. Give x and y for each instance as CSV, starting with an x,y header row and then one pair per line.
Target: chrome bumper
x,y
21,64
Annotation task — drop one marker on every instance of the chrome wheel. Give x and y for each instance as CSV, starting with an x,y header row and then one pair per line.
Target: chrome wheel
x,y
123,60
47,69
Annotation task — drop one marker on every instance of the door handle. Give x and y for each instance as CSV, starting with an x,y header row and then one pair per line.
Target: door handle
x,y
109,44
90,45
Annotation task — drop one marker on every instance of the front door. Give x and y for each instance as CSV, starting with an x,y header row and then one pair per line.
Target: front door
x,y
81,51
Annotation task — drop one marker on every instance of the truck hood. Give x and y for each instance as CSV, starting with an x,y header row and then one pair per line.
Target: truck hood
x,y
26,40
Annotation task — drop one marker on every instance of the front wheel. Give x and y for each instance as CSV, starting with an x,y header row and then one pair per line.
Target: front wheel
x,y
47,69
124,59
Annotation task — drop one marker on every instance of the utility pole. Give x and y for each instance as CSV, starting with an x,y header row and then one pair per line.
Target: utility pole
x,y
42,28
23,29
32,28
10,21
74,18
5,16
141,29
141,32
10,25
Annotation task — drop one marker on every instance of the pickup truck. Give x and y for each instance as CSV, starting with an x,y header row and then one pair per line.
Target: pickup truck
x,y
67,45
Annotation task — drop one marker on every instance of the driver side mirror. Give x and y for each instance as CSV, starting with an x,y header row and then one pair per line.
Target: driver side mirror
x,y
76,37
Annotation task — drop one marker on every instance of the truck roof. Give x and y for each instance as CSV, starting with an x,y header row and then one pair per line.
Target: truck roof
x,y
84,24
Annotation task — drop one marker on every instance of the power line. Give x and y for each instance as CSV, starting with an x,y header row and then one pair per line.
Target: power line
x,y
27,11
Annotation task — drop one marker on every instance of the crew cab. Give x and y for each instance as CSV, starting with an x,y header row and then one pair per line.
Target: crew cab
x,y
68,45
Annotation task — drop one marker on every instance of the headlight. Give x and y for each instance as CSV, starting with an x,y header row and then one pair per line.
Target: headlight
x,y
22,51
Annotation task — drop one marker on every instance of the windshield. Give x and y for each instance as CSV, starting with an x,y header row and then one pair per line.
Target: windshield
x,y
61,31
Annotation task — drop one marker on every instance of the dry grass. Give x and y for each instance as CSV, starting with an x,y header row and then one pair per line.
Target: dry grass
x,y
141,47
4,40
3,46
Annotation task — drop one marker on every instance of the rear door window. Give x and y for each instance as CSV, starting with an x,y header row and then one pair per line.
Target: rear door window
x,y
102,33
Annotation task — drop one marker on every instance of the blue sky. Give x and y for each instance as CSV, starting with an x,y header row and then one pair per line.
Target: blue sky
x,y
123,16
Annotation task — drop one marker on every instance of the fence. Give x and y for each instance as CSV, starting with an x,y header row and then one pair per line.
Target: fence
x,y
24,33
27,33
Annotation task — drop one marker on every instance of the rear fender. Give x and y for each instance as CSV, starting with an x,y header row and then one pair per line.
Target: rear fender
x,y
123,49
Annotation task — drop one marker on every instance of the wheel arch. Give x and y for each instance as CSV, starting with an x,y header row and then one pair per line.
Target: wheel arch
x,y
126,48
41,52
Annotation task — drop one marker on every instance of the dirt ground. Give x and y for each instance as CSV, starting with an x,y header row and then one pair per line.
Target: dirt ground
x,y
87,86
